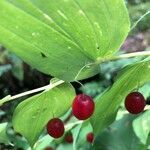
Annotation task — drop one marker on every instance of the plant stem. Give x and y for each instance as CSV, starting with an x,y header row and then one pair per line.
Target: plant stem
x,y
50,86
71,125
47,87
123,56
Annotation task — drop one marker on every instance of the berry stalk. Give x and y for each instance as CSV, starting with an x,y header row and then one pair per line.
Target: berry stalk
x,y
47,87
99,60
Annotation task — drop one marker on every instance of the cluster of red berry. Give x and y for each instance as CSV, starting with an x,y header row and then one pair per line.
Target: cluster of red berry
x,y
69,139
83,108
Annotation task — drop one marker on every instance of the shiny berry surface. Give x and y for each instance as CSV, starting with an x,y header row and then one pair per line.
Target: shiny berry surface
x,y
83,107
135,103
55,128
69,138
90,137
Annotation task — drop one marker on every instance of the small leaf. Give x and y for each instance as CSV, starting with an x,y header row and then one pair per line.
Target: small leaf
x,y
76,132
43,142
31,116
130,78
3,135
141,126
80,133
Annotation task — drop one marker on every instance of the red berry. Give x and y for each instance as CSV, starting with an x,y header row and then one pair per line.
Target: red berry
x,y
55,128
49,148
90,137
69,138
135,102
83,106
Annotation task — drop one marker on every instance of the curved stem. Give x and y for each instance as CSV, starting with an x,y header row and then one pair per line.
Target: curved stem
x,y
71,125
50,86
47,87
123,56
141,18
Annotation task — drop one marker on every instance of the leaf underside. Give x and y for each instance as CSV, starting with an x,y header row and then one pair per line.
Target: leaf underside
x,y
61,37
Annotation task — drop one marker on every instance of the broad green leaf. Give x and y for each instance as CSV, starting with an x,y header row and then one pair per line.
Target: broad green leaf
x,y
62,37
119,136
31,116
106,105
141,126
98,20
3,135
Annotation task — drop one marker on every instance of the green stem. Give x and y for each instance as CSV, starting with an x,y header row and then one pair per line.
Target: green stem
x,y
47,87
50,86
71,125
123,56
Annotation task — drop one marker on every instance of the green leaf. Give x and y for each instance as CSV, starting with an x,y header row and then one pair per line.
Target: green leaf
x,y
148,143
64,146
75,133
119,136
144,90
3,135
31,116
98,21
141,126
62,37
43,142
106,105
79,134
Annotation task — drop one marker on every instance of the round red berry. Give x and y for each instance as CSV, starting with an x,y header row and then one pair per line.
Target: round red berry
x,y
90,137
69,138
83,106
49,148
135,102
55,128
